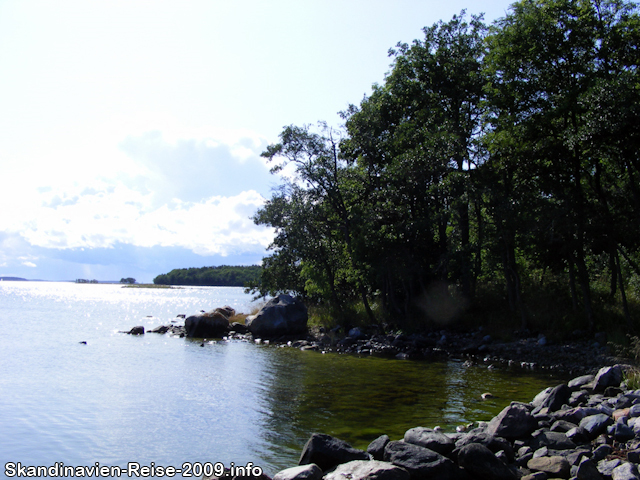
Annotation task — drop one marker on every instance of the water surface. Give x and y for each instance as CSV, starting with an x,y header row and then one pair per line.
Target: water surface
x,y
168,400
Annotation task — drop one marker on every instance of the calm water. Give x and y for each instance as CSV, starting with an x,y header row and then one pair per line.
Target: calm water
x,y
156,398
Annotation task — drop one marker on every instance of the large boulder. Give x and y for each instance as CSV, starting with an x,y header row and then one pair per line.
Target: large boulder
x,y
213,323
282,315
428,438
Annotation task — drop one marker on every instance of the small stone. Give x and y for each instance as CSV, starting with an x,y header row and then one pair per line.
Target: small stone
x,y
302,472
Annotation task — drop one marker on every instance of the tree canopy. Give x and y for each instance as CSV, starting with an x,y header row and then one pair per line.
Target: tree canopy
x,y
497,158
221,276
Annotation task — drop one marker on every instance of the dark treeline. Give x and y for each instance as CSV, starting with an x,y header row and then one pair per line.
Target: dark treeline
x,y
222,276
495,162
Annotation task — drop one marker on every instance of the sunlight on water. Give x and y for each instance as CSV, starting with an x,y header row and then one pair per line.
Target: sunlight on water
x,y
162,399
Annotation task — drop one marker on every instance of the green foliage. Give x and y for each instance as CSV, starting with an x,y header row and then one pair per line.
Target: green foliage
x,y
495,170
221,276
128,280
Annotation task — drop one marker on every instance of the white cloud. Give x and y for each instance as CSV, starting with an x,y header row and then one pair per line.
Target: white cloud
x,y
29,264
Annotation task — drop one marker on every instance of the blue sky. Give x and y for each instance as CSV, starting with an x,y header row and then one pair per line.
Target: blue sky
x,y
131,131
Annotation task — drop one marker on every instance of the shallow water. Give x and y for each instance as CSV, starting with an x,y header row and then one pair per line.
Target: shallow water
x,y
167,400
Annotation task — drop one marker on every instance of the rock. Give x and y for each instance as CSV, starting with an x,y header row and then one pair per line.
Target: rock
x,y
282,315
607,377
327,452
555,466
606,468
541,397
428,438
514,421
557,397
367,470
594,425
376,448
551,440
481,463
160,329
626,471
420,462
621,432
580,381
577,435
139,330
493,443
302,472
587,470
206,325
238,327
226,311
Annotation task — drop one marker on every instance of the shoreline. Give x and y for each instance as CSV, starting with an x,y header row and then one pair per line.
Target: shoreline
x,y
587,428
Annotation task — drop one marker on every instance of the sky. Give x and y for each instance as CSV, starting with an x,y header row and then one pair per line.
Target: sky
x,y
131,130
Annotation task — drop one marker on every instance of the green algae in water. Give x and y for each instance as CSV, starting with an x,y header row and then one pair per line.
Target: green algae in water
x,y
358,399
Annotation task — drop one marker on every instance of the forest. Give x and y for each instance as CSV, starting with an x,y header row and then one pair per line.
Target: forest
x,y
222,276
494,174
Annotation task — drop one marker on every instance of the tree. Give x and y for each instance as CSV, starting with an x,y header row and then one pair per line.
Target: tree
x,y
128,280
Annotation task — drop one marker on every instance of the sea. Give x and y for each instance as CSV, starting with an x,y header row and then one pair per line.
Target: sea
x,y
77,391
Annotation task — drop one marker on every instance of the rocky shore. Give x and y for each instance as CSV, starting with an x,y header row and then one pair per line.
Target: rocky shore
x,y
586,429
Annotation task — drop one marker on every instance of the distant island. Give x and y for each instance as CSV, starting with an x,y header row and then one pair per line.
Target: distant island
x,y
222,276
13,279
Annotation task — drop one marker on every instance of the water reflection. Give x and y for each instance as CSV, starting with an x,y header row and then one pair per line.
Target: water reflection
x,y
358,399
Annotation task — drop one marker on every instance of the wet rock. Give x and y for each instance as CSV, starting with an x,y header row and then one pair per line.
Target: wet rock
x,y
481,463
302,472
367,470
428,438
327,452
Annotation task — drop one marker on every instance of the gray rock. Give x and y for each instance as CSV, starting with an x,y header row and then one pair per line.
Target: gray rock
x,y
606,468
481,463
541,397
420,462
594,425
626,471
621,432
552,440
555,466
327,452
601,452
558,396
634,456
302,472
514,421
139,330
577,435
282,315
495,444
587,470
608,377
562,426
206,325
376,448
367,470
428,438
580,381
